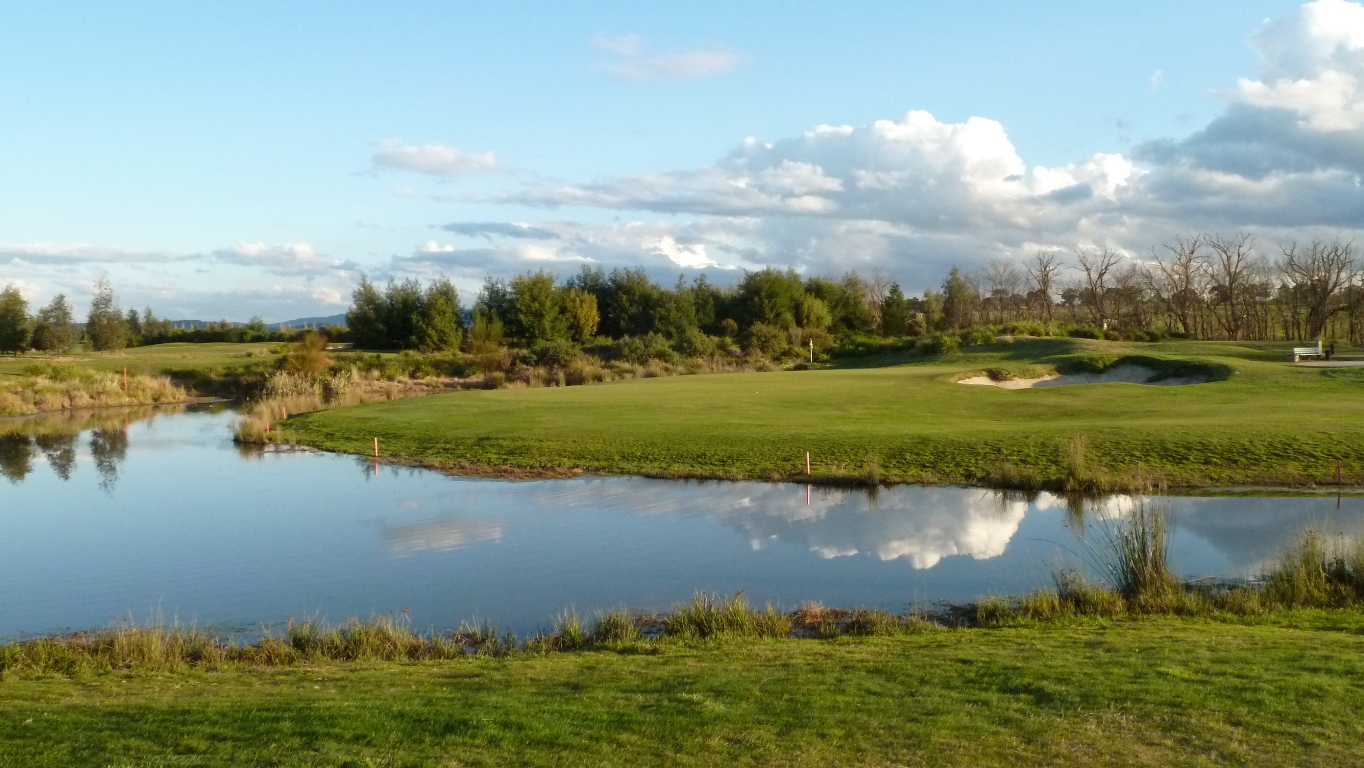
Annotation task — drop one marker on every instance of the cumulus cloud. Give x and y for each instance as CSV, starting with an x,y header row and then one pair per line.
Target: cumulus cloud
x,y
631,62
433,159
916,194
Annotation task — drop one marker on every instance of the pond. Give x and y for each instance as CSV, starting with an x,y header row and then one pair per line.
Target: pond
x,y
156,515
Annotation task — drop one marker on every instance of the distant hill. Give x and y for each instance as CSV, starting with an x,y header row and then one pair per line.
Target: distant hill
x,y
296,323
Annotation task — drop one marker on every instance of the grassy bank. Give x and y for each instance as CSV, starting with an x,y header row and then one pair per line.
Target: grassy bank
x,y
52,387
1155,692
903,419
1140,670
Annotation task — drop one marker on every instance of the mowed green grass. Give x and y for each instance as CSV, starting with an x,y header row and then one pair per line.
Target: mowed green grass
x,y
1153,692
1270,422
154,359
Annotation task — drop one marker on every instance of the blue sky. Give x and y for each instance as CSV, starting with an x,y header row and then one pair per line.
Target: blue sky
x,y
254,158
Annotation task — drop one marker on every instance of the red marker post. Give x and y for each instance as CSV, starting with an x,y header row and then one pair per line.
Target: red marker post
x,y
376,447
125,381
807,463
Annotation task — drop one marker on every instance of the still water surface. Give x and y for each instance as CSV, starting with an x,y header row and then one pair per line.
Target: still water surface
x,y
157,515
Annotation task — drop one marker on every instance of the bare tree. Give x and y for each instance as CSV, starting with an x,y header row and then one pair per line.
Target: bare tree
x,y
1231,268
1004,280
1315,275
1097,266
1179,283
1043,273
875,293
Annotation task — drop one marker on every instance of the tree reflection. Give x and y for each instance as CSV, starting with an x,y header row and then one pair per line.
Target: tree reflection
x,y
108,447
60,450
16,457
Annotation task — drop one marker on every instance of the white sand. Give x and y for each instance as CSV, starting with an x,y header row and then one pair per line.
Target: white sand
x,y
1124,374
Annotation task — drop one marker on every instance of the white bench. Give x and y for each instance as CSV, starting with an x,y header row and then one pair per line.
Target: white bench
x,y
1301,352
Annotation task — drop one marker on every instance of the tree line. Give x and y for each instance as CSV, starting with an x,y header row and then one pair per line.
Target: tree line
x,y
1197,286
107,327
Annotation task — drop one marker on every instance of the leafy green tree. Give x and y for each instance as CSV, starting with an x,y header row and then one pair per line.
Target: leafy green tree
x,y
106,327
894,312
960,300
486,331
814,314
366,318
14,327
539,315
580,308
438,326
255,325
55,329
631,304
403,304
771,297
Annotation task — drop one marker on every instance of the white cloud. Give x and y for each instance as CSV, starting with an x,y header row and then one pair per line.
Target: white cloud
x,y
915,195
433,159
283,258
85,253
1157,79
630,61
30,291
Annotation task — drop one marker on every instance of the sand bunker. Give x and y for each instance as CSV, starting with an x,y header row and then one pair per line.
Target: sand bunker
x,y
1126,374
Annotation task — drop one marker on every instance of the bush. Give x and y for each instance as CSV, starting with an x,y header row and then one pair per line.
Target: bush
x,y
977,334
940,344
559,353
1085,332
767,340
694,343
641,349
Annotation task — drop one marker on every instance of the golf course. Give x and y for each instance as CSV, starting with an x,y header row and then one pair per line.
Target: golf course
x,y
1253,419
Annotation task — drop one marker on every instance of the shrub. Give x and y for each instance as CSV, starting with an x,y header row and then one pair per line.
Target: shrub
x,y
767,340
559,353
977,334
641,349
940,344
694,343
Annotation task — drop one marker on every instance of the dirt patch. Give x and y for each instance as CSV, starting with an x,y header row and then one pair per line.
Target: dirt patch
x,y
1118,374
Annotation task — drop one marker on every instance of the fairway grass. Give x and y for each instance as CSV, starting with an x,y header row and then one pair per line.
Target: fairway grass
x,y
1149,692
1266,423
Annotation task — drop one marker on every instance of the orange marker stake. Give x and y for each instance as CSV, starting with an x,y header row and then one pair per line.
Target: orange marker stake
x,y
125,381
283,412
807,495
376,447
807,463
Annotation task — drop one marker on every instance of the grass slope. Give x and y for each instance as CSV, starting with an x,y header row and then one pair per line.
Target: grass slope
x,y
1268,422
1155,692
154,359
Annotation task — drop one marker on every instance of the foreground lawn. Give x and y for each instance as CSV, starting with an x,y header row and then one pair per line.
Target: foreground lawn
x,y
1150,692
1268,423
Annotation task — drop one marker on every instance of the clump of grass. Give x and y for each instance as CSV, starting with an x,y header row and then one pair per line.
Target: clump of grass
x,y
1137,559
1318,573
814,620
1078,476
710,615
569,633
614,628
871,470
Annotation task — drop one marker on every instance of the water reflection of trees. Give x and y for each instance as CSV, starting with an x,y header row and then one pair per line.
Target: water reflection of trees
x,y
56,436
